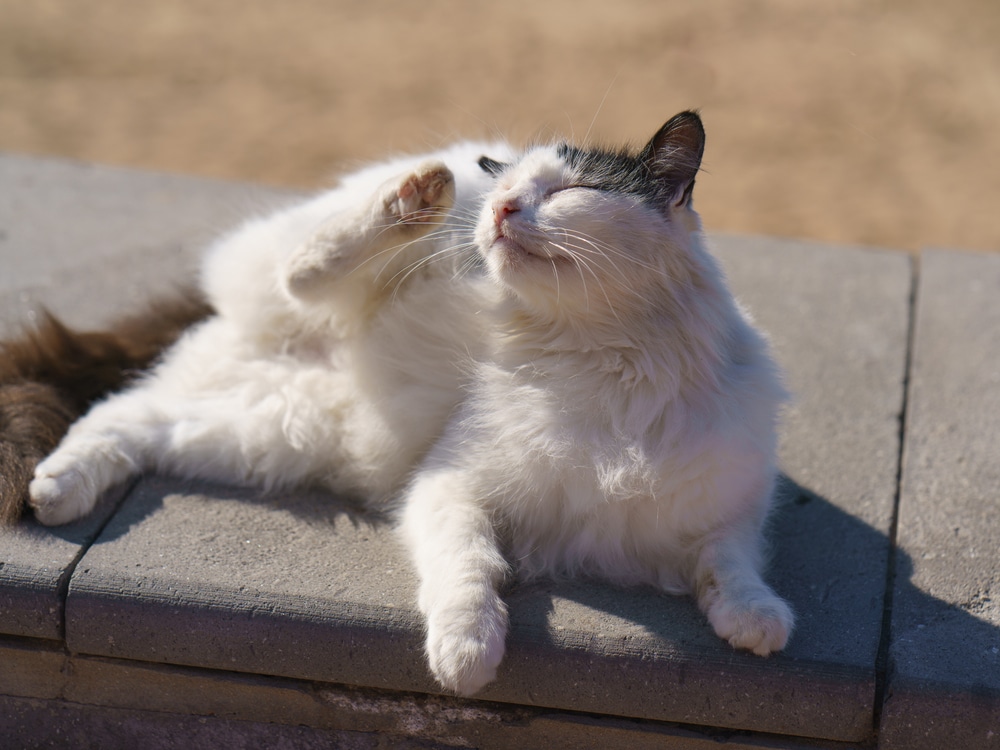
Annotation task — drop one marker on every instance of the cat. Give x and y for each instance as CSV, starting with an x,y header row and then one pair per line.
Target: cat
x,y
537,355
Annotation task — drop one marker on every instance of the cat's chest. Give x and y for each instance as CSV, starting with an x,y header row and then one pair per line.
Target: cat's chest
x,y
533,402
575,431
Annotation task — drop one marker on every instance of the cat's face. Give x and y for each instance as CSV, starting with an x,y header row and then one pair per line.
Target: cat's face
x,y
570,230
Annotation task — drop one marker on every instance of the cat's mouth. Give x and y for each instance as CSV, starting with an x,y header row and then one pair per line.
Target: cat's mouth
x,y
512,250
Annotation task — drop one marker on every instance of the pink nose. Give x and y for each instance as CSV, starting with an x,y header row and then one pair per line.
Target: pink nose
x,y
503,208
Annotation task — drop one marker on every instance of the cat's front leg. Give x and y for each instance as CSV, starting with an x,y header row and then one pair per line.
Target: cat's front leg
x,y
740,606
461,568
365,239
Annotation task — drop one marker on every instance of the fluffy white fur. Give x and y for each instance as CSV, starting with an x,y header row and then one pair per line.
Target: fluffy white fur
x,y
596,403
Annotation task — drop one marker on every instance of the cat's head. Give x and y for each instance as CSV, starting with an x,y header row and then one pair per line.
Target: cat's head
x,y
582,231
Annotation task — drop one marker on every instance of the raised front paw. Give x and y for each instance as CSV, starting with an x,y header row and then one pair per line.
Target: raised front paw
x,y
423,196
760,624
59,497
465,647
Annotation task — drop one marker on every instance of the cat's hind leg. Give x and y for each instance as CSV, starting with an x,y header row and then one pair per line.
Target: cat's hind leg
x,y
111,443
731,591
370,240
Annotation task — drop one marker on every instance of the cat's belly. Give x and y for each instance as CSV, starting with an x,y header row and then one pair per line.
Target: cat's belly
x,y
615,512
278,421
624,542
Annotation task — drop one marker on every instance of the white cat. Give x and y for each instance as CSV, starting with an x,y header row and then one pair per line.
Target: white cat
x,y
613,411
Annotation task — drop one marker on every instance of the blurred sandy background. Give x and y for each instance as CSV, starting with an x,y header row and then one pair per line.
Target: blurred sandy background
x,y
841,120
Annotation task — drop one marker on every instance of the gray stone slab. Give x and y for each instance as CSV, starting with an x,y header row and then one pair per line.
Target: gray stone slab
x,y
88,241
944,686
297,586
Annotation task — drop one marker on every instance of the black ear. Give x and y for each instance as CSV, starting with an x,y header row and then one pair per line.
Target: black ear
x,y
673,155
491,166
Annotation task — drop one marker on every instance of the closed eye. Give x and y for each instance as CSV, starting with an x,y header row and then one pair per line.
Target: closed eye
x,y
564,188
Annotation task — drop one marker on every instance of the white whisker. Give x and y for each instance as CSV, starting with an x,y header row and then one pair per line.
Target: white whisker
x,y
555,274
600,107
582,263
443,254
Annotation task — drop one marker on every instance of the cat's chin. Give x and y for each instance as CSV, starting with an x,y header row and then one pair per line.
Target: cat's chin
x,y
510,250
509,258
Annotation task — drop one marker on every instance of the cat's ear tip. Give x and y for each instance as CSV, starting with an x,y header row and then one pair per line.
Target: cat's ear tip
x,y
688,115
689,120
682,133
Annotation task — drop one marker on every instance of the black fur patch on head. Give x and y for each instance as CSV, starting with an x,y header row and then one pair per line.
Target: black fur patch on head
x,y
662,173
620,171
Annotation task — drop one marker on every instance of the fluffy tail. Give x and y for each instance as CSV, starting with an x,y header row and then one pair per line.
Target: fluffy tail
x,y
49,376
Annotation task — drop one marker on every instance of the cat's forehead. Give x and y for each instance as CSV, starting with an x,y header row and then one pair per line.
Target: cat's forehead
x,y
613,171
540,164
616,171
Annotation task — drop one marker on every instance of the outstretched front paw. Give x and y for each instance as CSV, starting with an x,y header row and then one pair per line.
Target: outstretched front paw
x,y
423,196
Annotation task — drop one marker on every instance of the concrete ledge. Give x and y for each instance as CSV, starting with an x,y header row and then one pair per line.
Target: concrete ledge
x,y
107,702
185,583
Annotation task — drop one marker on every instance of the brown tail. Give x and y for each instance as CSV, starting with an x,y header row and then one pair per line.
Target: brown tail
x,y
49,376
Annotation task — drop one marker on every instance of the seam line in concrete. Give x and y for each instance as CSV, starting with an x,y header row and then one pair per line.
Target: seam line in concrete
x,y
62,590
885,634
